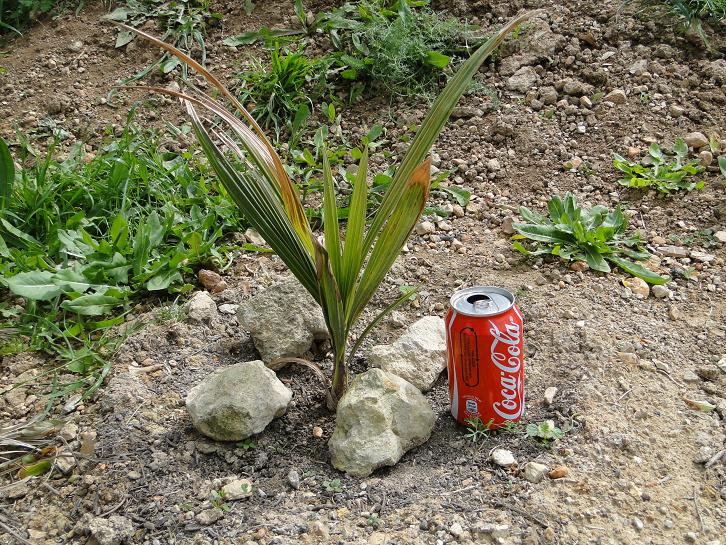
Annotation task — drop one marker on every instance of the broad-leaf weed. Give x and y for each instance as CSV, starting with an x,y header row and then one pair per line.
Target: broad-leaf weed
x,y
593,235
665,173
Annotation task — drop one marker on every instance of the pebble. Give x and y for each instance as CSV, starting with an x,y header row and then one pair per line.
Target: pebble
x,y
702,257
208,516
503,457
425,228
690,376
558,472
456,530
549,395
293,478
254,237
228,308
317,432
676,111
445,226
673,251
637,285
211,281
133,475
674,313
638,524
720,236
534,472
616,96
696,139
237,489
507,223
705,157
660,292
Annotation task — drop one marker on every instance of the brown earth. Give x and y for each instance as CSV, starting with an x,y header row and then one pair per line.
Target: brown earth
x,y
635,451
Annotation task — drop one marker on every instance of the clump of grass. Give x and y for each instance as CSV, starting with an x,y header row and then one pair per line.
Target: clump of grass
x,y
281,96
691,14
17,14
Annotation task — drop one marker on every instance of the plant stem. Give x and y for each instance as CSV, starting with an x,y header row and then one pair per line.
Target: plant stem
x,y
340,380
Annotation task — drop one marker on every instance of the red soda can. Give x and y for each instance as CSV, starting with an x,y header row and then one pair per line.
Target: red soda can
x,y
485,343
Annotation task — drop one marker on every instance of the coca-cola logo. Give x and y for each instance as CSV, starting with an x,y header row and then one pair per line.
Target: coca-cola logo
x,y
506,355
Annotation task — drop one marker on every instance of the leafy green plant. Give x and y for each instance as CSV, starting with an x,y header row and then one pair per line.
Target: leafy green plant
x,y
342,278
333,486
218,500
665,173
722,165
16,14
81,239
247,444
545,431
594,235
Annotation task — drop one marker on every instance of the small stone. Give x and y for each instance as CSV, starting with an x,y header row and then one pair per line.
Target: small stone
x,y
319,529
65,462
107,531
458,211
493,165
690,376
503,457
637,285
702,257
720,236
705,157
660,292
133,475
632,152
237,489
616,96
586,102
72,403
211,281
534,472
444,226
228,308
201,308
15,491
573,164
629,358
317,432
293,479
638,524
254,237
673,251
76,46
507,223
696,140
456,530
549,395
425,228
558,472
676,111
691,537
523,79
674,313
208,516
579,266
69,431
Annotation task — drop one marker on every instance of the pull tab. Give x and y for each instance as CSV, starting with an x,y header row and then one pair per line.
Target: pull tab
x,y
482,303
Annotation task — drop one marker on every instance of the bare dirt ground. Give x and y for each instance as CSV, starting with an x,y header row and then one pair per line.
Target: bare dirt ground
x,y
636,453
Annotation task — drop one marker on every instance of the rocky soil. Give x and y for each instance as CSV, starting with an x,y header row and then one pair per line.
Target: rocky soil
x,y
638,464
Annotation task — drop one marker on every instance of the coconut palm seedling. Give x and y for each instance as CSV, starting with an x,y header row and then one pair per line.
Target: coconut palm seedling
x,y
341,275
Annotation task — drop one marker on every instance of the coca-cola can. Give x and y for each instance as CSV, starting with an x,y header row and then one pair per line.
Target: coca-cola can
x,y
485,342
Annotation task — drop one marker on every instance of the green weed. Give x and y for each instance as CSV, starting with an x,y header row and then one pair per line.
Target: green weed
x,y
545,431
666,173
690,14
334,486
82,238
17,14
478,430
594,235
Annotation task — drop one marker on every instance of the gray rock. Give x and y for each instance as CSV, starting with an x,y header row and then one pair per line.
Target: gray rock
x,y
238,401
523,79
549,395
237,489
690,376
201,308
534,472
548,95
503,457
107,531
425,228
379,418
418,356
660,292
208,516
720,236
673,251
293,479
284,320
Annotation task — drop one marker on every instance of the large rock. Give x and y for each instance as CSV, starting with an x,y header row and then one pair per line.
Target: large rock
x,y
379,418
418,356
238,401
523,79
114,530
284,320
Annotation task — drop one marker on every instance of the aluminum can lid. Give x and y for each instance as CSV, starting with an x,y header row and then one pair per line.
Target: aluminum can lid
x,y
482,301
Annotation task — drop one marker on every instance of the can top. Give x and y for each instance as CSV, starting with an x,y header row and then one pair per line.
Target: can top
x,y
482,301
